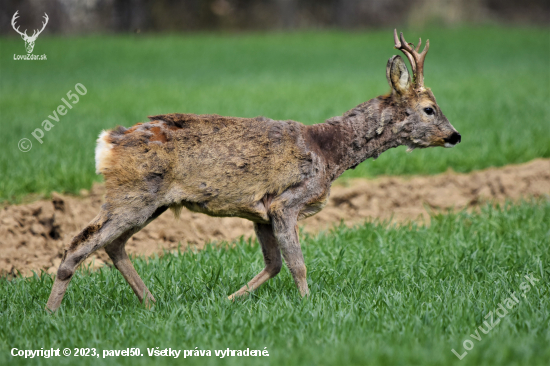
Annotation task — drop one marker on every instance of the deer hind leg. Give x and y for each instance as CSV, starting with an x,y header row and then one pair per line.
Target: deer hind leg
x,y
104,229
117,252
272,259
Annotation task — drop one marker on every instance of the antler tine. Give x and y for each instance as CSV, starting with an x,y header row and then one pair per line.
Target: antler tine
x,y
43,24
426,48
409,51
395,39
420,62
416,59
404,47
405,44
15,16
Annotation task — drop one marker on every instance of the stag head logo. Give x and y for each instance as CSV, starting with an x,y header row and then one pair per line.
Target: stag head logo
x,y
29,41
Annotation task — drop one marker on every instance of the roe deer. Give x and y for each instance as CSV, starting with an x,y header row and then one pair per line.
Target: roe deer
x,y
272,173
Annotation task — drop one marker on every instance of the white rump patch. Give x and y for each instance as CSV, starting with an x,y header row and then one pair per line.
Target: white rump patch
x,y
102,152
449,145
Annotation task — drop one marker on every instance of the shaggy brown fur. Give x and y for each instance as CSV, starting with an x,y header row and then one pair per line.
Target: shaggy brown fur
x,y
220,166
273,173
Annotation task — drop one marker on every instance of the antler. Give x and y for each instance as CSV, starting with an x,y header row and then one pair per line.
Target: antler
x,y
13,25
43,26
416,59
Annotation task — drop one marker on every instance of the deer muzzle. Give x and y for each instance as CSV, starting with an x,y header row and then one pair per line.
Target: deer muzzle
x,y
452,140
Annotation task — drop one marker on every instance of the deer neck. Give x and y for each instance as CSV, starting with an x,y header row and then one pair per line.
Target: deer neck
x,y
364,132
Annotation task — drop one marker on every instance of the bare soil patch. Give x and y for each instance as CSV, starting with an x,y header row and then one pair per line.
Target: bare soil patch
x,y
33,236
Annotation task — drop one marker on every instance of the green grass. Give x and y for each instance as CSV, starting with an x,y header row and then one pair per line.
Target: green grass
x,y
492,83
379,295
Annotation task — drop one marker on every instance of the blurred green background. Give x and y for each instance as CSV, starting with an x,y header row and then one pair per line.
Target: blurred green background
x,y
492,82
380,294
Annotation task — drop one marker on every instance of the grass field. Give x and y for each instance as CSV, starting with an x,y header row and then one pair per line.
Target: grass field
x,y
492,83
379,295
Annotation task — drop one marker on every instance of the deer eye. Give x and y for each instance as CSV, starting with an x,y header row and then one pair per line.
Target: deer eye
x,y
429,111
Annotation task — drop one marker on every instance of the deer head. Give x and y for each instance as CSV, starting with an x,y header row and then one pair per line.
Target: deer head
x,y
424,123
29,41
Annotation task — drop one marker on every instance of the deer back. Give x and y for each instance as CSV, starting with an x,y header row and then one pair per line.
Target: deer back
x,y
208,163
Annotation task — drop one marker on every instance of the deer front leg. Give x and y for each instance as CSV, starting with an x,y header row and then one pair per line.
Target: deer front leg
x,y
272,259
286,231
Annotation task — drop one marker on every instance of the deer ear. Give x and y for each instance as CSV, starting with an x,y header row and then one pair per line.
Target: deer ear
x,y
398,75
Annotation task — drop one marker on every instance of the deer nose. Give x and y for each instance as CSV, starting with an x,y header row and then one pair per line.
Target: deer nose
x,y
454,139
